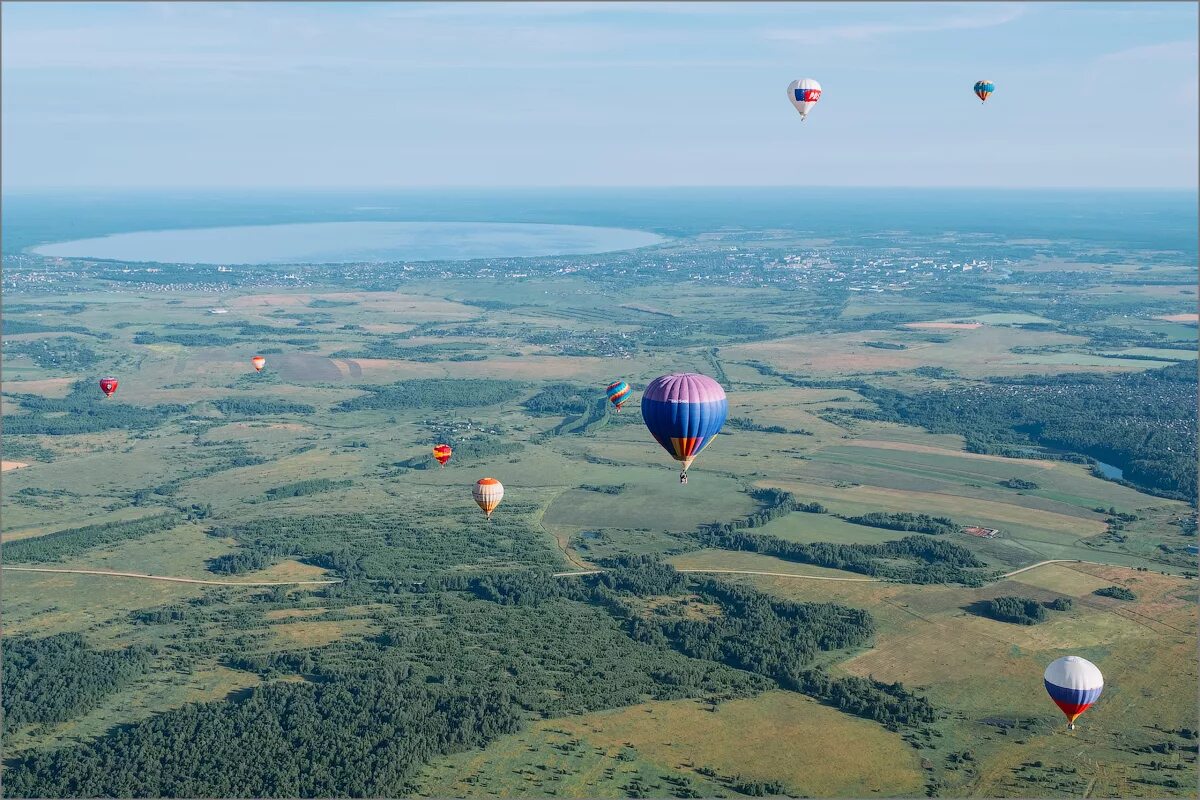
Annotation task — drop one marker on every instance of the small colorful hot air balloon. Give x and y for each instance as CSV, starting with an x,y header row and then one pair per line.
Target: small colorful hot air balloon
x,y
684,412
108,386
488,493
442,453
1074,683
259,362
804,94
983,89
617,392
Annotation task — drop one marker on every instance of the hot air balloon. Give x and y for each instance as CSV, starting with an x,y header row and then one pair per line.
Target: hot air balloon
x,y
684,412
488,493
804,94
617,392
1074,683
259,362
108,386
983,89
442,453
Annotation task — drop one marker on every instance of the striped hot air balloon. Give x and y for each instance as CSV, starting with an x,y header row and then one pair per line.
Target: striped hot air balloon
x,y
259,362
684,412
1074,683
442,453
108,386
617,393
983,89
488,493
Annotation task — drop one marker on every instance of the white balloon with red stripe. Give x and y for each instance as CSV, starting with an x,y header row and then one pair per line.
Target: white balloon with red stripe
x,y
804,94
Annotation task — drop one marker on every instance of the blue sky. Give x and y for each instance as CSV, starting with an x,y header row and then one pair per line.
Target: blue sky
x,y
597,94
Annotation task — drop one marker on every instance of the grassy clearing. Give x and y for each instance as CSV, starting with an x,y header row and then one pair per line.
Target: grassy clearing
x,y
766,738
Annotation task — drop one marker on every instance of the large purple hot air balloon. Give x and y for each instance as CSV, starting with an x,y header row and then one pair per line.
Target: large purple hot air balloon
x,y
684,412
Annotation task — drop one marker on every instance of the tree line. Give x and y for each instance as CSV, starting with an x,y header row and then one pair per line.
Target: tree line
x,y
1143,422
84,410
905,521
929,560
56,678
440,393
72,541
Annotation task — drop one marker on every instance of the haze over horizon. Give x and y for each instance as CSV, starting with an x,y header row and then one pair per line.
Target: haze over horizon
x,y
505,95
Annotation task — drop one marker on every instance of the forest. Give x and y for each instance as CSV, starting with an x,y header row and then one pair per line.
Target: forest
x,y
73,541
301,488
55,678
1020,610
1143,422
929,561
905,521
436,393
84,410
252,407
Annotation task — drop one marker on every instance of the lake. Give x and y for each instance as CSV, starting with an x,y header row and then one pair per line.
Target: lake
x,y
348,242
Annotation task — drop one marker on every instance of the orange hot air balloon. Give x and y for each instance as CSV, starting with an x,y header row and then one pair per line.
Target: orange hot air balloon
x,y
488,493
259,362
108,386
442,453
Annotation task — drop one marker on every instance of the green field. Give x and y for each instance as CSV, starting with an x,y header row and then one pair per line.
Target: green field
x,y
598,710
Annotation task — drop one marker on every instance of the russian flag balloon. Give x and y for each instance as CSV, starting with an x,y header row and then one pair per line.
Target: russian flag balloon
x,y
684,412
1074,683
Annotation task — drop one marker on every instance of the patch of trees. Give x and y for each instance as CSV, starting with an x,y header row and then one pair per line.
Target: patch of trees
x,y
560,399
514,588
72,541
1143,422
776,503
466,452
56,678
323,303
641,575
609,489
1020,610
593,416
284,740
773,638
905,521
747,424
301,488
241,560
1116,592
930,560
423,539
886,345
62,353
12,327
195,339
423,353
251,407
757,633
21,449
248,329
889,704
1019,483
438,393
84,410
